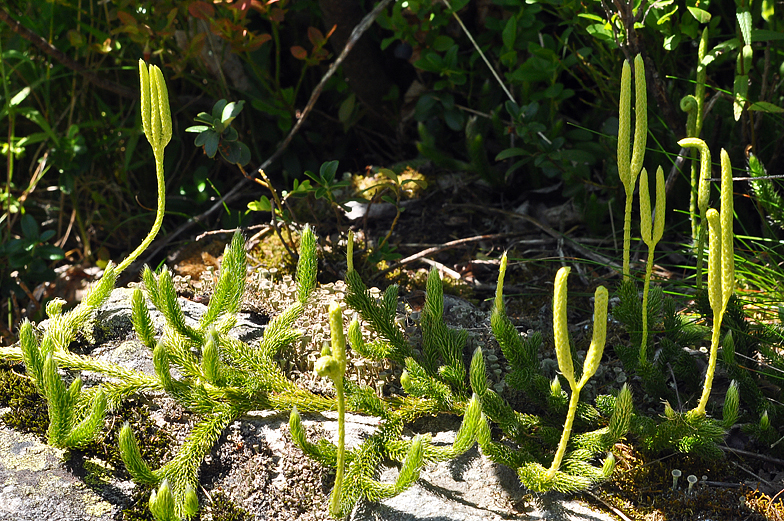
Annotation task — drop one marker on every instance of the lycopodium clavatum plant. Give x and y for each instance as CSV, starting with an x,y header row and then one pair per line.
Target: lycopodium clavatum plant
x,y
429,392
694,431
332,365
76,413
629,168
721,270
555,443
574,473
703,198
554,458
651,229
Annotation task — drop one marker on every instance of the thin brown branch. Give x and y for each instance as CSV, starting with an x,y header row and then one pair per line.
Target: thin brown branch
x,y
358,31
615,510
446,246
756,455
239,188
63,58
582,250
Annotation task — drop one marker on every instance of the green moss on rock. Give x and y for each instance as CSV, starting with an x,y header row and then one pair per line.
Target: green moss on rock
x,y
28,409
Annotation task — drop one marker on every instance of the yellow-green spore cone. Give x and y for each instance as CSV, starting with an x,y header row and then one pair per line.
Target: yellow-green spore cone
x,y
595,351
640,117
661,203
157,126
646,224
560,327
338,337
727,217
714,260
624,126
703,190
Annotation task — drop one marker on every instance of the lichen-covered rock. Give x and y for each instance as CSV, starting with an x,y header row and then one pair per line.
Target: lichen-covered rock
x,y
35,485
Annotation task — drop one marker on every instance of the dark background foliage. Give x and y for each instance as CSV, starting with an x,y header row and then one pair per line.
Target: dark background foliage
x,y
414,90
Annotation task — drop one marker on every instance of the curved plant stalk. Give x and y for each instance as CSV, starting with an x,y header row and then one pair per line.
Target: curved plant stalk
x,y
332,365
721,271
564,355
703,196
629,169
157,125
651,234
694,106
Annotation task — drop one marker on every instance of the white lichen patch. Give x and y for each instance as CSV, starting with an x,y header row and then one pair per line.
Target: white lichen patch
x,y
298,360
25,452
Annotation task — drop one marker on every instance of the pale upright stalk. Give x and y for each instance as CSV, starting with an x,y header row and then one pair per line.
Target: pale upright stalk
x,y
564,355
157,126
651,229
332,364
716,300
628,170
721,271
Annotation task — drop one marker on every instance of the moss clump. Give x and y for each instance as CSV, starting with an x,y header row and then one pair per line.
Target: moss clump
x,y
139,510
772,509
223,509
28,409
270,254
642,489
154,444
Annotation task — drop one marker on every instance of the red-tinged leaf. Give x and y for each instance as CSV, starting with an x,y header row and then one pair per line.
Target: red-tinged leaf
x,y
126,18
320,55
201,10
299,53
234,29
277,15
242,5
316,37
259,6
221,27
255,41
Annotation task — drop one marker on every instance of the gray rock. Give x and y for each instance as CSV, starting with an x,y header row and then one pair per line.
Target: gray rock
x,y
34,485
